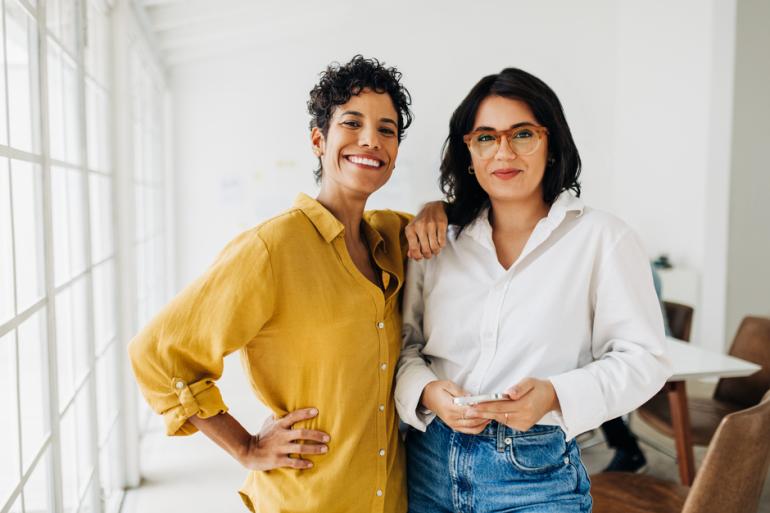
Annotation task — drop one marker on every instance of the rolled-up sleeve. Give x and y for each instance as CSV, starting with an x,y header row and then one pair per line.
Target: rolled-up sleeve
x,y
628,344
413,371
179,355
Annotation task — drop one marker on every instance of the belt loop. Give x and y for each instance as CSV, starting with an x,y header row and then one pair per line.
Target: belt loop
x,y
500,437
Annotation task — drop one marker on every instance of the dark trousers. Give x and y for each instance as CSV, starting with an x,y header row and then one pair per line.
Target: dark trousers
x,y
618,435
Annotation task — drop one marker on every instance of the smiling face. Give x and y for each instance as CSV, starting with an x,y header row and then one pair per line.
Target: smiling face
x,y
359,150
506,176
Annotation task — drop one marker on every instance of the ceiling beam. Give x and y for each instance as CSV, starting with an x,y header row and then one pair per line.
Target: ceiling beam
x,y
151,3
169,17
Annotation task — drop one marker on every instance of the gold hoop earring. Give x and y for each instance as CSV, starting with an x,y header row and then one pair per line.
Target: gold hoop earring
x,y
471,171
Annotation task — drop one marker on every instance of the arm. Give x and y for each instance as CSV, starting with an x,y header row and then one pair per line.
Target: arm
x,y
417,387
179,355
628,344
272,446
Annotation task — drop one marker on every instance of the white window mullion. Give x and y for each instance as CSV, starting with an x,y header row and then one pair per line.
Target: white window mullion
x,y
169,224
123,200
19,318
54,474
91,344
31,8
14,322
25,477
14,153
18,417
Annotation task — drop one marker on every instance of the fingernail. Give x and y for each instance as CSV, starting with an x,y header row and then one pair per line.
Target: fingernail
x,y
324,449
313,411
309,464
326,438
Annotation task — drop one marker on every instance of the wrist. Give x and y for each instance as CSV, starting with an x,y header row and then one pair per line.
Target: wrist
x,y
555,404
425,404
245,449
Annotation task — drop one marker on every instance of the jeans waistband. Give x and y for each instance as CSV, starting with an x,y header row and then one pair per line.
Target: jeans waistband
x,y
504,434
495,429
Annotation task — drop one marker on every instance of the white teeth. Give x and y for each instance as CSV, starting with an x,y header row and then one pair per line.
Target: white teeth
x,y
364,161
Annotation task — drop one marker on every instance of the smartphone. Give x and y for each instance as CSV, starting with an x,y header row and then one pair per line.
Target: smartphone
x,y
476,399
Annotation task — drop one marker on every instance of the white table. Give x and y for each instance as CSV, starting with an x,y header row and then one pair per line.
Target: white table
x,y
691,362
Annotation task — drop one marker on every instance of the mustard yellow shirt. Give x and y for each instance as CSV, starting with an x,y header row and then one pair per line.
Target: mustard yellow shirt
x,y
312,331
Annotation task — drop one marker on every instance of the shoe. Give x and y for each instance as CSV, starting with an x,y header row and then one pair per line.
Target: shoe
x,y
627,461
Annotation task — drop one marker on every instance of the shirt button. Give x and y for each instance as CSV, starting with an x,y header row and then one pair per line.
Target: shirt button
x,y
380,324
508,441
179,385
382,407
382,452
566,460
379,493
383,366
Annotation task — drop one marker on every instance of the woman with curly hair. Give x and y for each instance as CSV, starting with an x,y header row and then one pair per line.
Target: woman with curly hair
x,y
539,302
311,299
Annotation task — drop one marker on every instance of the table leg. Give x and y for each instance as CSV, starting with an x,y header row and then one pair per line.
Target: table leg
x,y
680,418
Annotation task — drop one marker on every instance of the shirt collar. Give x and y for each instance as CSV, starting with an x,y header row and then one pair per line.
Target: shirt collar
x,y
481,231
566,202
373,237
327,225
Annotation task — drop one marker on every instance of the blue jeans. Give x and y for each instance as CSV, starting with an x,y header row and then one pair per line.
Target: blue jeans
x,y
499,470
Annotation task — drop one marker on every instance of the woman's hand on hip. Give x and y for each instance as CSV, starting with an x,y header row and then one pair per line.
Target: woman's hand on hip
x,y
426,233
438,397
278,439
530,400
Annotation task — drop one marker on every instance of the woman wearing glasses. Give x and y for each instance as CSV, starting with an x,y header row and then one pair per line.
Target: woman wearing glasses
x,y
535,296
311,298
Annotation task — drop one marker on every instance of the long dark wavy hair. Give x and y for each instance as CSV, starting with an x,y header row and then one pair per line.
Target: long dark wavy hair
x,y
339,82
465,196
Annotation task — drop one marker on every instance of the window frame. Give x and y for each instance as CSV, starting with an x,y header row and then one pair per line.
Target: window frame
x,y
120,430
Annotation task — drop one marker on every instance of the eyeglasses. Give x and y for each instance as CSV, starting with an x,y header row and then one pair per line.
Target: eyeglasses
x,y
523,140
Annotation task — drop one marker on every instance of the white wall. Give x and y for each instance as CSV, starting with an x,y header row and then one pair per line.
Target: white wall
x,y
748,285
674,84
636,80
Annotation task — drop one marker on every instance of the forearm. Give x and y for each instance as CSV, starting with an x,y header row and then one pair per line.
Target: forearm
x,y
413,376
226,432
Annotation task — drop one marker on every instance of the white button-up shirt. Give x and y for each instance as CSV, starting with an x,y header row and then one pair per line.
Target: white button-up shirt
x,y
578,308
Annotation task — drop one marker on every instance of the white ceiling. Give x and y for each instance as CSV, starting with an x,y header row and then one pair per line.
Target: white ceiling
x,y
187,30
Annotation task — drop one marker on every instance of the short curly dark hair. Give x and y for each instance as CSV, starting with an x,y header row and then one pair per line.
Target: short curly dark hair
x,y
341,81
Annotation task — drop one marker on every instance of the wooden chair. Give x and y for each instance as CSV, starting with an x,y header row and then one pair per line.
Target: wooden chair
x,y
729,481
752,343
679,319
